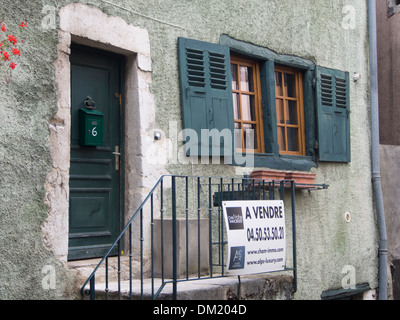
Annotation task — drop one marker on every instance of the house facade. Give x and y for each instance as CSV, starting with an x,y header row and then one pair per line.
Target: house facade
x,y
191,88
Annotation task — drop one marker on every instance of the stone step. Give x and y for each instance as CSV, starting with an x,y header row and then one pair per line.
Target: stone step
x,y
265,287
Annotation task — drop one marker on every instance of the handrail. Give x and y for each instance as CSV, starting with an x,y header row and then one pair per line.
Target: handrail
x,y
121,235
207,194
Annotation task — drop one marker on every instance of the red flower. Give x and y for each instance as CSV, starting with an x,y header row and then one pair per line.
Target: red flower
x,y
6,56
12,39
3,28
16,52
13,65
23,24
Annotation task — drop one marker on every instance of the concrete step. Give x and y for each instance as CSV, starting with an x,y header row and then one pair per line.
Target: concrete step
x,y
260,287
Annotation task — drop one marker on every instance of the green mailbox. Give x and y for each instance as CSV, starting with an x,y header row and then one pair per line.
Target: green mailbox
x,y
90,127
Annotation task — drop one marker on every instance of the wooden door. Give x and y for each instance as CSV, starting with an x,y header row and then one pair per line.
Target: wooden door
x,y
96,209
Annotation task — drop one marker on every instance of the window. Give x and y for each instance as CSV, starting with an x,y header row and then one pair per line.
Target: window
x,y
287,111
247,111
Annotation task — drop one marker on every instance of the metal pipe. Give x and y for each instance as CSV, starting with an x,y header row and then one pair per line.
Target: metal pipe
x,y
187,225
130,262
152,246
198,227
376,173
293,195
174,242
141,254
210,258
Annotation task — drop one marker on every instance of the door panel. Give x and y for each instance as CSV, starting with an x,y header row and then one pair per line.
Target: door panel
x,y
95,208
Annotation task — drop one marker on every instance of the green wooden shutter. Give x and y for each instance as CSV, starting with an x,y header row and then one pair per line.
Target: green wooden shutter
x,y
206,94
333,105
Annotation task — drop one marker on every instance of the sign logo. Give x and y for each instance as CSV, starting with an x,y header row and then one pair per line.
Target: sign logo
x,y
237,258
235,218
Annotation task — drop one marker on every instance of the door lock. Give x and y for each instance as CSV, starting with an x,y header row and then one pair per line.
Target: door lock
x,y
117,155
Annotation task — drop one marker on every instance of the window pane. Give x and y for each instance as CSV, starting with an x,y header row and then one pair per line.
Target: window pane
x,y
291,112
293,139
236,106
246,104
246,79
281,138
280,116
234,77
238,135
290,83
248,112
250,136
278,84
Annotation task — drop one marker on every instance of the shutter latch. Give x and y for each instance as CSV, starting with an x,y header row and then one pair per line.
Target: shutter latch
x,y
211,111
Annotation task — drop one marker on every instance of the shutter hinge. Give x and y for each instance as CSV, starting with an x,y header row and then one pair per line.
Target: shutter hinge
x,y
316,145
211,112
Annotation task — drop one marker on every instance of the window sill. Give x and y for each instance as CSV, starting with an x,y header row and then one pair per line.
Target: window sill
x,y
302,179
281,162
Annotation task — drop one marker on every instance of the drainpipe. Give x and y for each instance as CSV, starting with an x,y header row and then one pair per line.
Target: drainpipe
x,y
376,171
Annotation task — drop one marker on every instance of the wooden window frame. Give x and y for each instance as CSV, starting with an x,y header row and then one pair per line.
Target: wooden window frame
x,y
300,111
241,61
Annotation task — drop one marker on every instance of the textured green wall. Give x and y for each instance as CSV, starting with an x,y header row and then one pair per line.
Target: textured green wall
x,y
310,29
26,106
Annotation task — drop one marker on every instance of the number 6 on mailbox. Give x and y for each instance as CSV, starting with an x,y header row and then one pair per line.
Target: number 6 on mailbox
x,y
90,127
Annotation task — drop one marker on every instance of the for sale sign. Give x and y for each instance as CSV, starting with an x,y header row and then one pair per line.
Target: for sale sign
x,y
256,236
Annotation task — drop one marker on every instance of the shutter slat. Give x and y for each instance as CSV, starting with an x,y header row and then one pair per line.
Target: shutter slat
x,y
218,71
341,93
195,67
326,90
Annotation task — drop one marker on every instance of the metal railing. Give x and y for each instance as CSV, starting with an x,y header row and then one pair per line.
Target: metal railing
x,y
174,206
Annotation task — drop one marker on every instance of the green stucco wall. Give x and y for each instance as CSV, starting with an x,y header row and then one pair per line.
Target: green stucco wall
x,y
309,29
26,107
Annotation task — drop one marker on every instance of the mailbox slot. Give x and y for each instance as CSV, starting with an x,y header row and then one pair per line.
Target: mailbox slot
x,y
90,127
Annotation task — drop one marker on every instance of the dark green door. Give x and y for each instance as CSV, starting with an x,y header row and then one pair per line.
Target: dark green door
x,y
95,207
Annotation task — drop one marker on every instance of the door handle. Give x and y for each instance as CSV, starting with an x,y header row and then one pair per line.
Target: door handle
x,y
117,155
